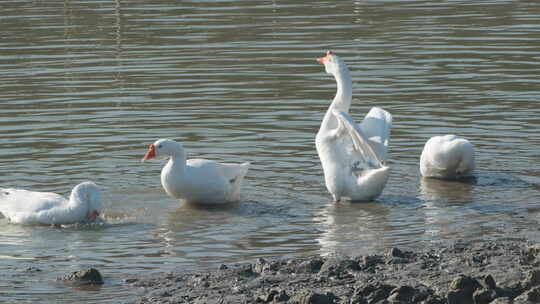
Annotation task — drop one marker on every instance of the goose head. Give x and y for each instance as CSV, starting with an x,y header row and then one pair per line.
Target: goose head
x,y
332,63
89,194
163,148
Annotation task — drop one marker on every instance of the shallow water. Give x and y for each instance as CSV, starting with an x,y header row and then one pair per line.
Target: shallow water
x,y
87,85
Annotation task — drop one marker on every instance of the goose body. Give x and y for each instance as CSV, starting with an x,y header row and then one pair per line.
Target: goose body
x,y
30,207
199,181
353,156
447,157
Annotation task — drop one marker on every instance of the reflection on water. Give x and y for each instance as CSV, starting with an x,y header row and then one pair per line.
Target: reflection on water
x,y
353,228
87,85
441,196
432,189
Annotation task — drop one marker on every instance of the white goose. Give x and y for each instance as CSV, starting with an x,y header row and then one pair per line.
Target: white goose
x,y
447,157
353,156
197,180
30,207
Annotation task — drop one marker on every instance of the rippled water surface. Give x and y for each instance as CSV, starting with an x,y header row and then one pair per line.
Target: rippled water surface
x,y
87,85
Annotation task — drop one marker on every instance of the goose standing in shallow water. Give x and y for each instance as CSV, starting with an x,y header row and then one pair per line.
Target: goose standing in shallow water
x,y
353,156
198,181
447,157
30,207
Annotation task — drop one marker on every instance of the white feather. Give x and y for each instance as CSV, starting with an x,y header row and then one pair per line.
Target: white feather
x,y
198,181
447,157
30,207
353,155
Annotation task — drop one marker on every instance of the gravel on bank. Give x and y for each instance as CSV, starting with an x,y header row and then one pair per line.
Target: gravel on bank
x,y
482,272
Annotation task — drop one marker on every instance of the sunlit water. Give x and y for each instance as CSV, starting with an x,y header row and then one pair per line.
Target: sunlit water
x,y
87,85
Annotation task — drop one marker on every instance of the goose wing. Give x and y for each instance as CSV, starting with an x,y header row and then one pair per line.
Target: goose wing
x,y
361,154
376,127
17,201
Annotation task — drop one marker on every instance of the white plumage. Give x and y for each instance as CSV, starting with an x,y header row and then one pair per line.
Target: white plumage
x,y
198,181
30,207
447,157
353,156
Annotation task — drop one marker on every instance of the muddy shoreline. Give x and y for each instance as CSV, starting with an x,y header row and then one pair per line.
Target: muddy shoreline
x,y
481,272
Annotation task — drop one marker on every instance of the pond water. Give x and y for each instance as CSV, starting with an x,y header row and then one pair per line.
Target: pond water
x,y
86,86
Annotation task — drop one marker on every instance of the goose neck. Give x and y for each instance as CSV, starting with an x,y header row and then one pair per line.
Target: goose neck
x,y
76,198
76,208
342,100
178,161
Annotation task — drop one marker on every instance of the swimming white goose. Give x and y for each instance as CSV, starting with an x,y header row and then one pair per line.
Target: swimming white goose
x,y
447,157
353,156
198,181
30,207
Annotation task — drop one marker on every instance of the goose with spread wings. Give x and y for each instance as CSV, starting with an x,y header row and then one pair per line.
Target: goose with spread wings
x,y
353,156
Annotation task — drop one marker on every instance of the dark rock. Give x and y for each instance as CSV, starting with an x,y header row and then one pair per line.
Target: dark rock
x,y
260,266
378,296
530,296
421,293
274,296
395,252
356,298
338,266
484,296
402,294
205,300
433,300
239,289
310,297
373,293
88,276
462,289
490,282
244,270
532,279
459,247
198,281
534,249
479,260
465,283
423,280
509,292
263,266
310,266
223,267
281,296
371,261
396,261
459,297
531,253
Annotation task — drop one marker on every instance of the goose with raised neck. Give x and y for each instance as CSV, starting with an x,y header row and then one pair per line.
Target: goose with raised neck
x,y
353,156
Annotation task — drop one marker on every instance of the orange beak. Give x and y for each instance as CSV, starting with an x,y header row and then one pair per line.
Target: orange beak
x,y
322,60
151,153
92,215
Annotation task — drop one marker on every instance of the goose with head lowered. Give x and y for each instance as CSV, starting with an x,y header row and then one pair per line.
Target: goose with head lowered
x,y
30,207
447,157
353,156
197,181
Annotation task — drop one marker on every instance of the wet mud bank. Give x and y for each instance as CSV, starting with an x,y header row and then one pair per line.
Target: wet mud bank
x,y
485,272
